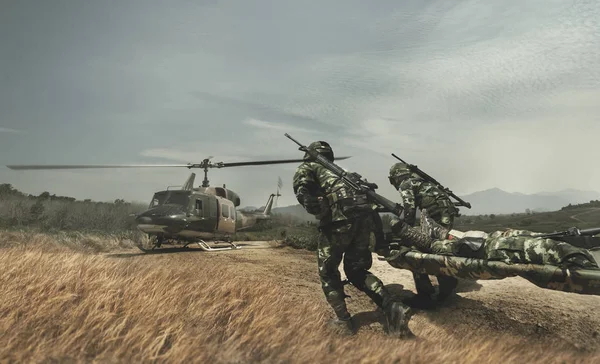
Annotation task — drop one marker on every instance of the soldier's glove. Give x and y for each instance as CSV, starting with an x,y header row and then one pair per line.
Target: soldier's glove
x,y
397,252
312,204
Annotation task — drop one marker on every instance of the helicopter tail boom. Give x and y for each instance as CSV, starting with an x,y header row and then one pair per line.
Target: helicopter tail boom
x,y
269,205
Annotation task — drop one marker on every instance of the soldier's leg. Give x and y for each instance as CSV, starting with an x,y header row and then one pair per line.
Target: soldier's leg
x,y
424,287
447,284
423,284
381,245
329,256
524,250
357,262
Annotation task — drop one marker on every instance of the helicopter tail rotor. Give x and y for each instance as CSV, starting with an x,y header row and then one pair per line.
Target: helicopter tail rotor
x,y
279,185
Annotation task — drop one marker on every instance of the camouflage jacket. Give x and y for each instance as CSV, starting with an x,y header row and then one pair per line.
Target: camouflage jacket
x,y
418,193
324,195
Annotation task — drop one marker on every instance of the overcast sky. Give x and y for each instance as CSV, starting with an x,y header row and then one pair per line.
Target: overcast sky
x,y
491,93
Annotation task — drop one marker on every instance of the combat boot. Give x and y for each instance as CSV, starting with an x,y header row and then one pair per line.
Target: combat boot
x,y
411,236
431,228
397,316
447,286
342,326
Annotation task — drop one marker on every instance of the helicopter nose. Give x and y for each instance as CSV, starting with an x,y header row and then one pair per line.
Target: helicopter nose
x,y
144,220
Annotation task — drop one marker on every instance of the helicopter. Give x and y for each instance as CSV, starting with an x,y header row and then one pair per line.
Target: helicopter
x,y
190,215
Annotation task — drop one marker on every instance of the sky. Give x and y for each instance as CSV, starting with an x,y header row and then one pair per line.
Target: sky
x,y
479,94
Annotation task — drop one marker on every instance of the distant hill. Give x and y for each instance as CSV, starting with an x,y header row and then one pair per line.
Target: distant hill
x,y
583,216
494,201
296,211
497,201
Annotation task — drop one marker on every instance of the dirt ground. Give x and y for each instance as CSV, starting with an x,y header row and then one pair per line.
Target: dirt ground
x,y
511,306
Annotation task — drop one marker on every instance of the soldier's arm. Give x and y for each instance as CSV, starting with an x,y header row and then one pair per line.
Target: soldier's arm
x,y
306,186
408,199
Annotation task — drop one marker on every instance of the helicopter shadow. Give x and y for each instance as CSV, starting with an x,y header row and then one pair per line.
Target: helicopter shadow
x,y
175,250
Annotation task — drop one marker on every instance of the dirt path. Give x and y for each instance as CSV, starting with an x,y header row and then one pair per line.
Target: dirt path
x,y
574,217
510,306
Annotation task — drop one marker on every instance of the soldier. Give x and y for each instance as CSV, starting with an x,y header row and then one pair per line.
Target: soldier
x,y
345,225
419,193
509,246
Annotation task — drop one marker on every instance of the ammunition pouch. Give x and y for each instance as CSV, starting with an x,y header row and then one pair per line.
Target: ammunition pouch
x,y
312,205
440,205
350,204
445,203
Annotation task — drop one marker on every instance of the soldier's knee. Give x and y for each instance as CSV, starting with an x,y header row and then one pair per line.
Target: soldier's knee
x,y
356,276
373,283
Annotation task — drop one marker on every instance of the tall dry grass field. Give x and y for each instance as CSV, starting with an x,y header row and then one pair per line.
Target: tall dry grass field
x,y
61,301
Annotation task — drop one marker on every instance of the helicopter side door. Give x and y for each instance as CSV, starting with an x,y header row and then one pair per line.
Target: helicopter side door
x,y
226,216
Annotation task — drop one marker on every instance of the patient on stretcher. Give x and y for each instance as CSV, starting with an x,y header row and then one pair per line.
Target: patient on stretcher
x,y
509,246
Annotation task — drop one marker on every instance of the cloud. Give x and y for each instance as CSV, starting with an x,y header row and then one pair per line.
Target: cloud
x,y
276,126
479,93
9,130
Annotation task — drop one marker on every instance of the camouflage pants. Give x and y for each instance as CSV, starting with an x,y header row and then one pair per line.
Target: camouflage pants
x,y
514,246
349,242
423,284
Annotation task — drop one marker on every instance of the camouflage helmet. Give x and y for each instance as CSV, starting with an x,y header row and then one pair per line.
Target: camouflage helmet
x,y
323,148
399,172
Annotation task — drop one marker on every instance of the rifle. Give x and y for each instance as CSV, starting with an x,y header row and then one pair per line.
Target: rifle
x,y
574,236
413,168
353,180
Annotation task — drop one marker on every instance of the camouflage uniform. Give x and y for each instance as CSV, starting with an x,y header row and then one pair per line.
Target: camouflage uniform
x,y
547,263
508,246
514,247
345,222
418,193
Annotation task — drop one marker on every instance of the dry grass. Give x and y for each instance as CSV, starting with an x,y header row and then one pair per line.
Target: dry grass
x,y
60,303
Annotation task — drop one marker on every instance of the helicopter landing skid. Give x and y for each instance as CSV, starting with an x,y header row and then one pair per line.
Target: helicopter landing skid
x,y
204,246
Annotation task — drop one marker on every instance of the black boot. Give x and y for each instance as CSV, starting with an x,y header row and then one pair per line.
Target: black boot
x,y
424,299
342,324
397,316
447,286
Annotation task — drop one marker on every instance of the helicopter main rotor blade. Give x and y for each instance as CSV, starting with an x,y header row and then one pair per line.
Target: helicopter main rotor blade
x,y
189,165
257,163
89,166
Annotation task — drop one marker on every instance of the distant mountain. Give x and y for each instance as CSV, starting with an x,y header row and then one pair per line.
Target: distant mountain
x,y
497,201
494,201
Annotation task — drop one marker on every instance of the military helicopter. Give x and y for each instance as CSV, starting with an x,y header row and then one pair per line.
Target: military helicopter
x,y
190,215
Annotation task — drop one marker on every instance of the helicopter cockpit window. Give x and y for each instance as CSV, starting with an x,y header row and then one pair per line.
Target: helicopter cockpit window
x,y
199,206
175,198
231,213
224,210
